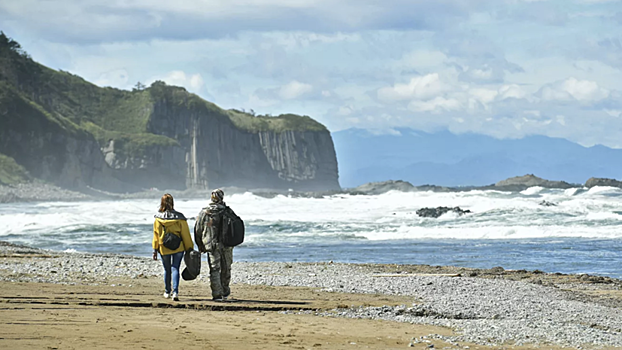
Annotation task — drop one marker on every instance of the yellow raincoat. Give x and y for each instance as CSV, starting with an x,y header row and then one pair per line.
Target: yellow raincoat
x,y
174,222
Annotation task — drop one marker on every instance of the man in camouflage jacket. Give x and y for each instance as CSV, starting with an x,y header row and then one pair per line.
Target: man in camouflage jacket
x,y
208,236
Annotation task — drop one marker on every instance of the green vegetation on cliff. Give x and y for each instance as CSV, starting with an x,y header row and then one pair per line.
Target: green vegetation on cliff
x,y
284,122
62,105
127,112
10,172
129,144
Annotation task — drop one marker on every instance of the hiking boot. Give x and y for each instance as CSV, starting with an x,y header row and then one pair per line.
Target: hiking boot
x,y
166,295
218,298
175,297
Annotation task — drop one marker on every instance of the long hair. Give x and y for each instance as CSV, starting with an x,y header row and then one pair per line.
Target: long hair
x,y
166,203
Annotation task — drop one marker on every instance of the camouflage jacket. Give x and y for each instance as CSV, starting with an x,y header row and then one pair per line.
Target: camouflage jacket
x,y
208,227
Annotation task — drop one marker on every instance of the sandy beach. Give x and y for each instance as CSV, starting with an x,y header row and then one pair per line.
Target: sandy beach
x,y
52,300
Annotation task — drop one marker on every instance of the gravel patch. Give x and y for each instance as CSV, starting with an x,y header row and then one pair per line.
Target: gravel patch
x,y
38,192
485,311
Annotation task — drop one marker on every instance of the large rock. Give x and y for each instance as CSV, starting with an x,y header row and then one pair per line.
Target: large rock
x,y
382,187
530,180
594,181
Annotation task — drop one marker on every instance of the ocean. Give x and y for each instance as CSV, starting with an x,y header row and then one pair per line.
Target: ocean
x,y
581,233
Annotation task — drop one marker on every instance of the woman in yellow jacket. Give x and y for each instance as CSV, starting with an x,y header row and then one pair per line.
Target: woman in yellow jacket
x,y
169,220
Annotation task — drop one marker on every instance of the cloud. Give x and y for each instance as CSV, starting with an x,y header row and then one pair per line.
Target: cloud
x,y
435,93
572,88
543,12
94,21
436,105
117,77
614,112
512,91
192,82
294,89
421,87
501,67
291,91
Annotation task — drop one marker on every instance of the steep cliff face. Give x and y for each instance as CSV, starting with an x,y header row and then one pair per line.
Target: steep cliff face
x,y
156,166
218,153
51,149
65,130
303,159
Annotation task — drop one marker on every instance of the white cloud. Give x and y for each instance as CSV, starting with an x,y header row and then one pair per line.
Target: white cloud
x,y
365,64
294,89
614,113
436,105
421,87
117,77
549,93
344,110
512,91
481,74
258,102
143,20
425,60
485,96
196,81
193,82
572,88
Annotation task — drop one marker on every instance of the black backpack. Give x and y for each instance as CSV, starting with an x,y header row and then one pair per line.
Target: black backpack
x,y
232,228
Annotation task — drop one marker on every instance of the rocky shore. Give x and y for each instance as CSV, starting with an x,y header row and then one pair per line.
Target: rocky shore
x,y
38,192
487,307
41,192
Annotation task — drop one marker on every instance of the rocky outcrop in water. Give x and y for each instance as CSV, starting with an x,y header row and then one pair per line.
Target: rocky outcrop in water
x,y
382,187
437,212
520,183
594,181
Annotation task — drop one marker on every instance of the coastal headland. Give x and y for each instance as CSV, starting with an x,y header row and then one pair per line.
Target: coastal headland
x,y
55,300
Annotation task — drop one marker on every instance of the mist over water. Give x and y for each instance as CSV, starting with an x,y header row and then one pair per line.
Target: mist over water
x,y
582,233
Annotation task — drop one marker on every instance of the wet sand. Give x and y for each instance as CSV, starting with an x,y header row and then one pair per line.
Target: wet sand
x,y
130,313
54,316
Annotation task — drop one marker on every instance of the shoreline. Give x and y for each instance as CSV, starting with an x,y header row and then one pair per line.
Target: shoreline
x,y
486,307
45,192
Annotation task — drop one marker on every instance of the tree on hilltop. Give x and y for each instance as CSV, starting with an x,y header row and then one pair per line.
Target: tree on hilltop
x,y
158,83
139,86
6,42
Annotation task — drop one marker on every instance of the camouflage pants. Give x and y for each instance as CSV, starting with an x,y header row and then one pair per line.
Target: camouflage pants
x,y
220,261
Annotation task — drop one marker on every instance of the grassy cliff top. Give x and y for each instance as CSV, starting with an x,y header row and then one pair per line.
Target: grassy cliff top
x,y
81,106
283,122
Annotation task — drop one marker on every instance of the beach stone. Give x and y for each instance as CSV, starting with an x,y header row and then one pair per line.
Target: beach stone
x,y
488,310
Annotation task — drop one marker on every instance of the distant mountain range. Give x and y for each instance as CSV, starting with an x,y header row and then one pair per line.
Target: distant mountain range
x,y
447,159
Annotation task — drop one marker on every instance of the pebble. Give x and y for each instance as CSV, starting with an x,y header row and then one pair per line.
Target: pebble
x,y
482,311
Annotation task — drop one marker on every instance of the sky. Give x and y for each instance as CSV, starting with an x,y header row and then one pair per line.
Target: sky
x,y
504,68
